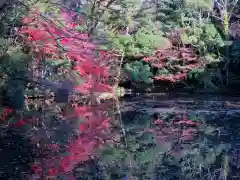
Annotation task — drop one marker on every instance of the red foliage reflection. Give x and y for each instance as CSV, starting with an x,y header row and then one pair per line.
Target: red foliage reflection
x,y
92,133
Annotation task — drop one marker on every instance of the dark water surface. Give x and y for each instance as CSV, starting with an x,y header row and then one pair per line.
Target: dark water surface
x,y
156,137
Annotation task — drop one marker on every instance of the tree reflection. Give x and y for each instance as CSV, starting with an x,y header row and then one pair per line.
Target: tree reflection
x,y
93,142
171,147
91,129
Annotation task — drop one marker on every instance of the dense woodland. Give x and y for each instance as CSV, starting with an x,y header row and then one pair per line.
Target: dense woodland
x,y
144,45
66,59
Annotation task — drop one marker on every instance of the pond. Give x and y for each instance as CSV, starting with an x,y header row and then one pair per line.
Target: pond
x,y
155,137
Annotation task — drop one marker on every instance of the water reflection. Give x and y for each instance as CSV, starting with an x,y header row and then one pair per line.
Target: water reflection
x,y
192,142
91,129
159,138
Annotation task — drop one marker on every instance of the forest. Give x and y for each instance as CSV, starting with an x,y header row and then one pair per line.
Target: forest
x,y
67,66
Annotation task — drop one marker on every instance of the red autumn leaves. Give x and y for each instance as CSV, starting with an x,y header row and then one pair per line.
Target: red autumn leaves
x,y
49,40
171,59
92,133
55,41
182,128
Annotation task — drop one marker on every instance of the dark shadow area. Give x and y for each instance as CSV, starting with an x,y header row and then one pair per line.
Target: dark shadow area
x,y
16,155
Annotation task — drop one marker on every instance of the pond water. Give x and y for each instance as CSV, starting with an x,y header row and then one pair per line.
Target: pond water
x,y
154,137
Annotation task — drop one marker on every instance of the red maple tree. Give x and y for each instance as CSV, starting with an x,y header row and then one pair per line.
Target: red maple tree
x,y
178,59
51,40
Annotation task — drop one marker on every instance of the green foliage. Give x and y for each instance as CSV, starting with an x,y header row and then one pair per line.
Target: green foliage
x,y
44,6
212,36
147,153
10,18
112,154
143,42
204,37
162,71
13,65
148,42
212,58
14,62
4,45
199,4
194,76
123,43
205,78
57,64
137,71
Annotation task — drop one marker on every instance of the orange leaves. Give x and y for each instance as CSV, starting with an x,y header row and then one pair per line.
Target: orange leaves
x,y
178,61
